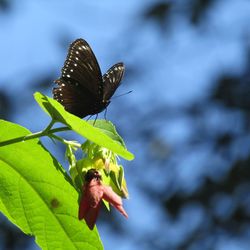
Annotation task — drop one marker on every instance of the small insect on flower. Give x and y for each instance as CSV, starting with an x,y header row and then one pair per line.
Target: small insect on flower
x,y
93,193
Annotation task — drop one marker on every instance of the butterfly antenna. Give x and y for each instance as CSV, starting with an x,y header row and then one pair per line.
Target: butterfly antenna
x,y
122,94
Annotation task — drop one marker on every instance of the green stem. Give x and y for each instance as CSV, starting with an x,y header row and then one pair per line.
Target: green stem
x,y
46,132
49,126
70,143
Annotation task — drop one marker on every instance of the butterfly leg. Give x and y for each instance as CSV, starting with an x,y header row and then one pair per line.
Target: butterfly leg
x,y
89,117
105,114
95,119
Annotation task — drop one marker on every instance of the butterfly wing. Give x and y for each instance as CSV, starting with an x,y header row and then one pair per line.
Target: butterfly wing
x,y
112,80
80,86
73,99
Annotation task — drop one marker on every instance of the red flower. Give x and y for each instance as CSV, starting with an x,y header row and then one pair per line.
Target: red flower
x,y
93,193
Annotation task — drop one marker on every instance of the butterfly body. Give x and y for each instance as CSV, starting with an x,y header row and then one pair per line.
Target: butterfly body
x,y
82,90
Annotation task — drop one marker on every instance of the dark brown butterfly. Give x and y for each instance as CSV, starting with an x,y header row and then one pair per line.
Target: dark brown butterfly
x,y
82,89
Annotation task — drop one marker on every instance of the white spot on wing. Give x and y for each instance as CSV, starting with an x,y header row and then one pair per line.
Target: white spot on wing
x,y
90,66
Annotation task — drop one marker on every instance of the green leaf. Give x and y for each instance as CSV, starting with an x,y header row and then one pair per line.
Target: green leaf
x,y
94,134
108,128
37,196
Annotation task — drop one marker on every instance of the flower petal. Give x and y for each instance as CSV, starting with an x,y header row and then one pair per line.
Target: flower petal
x,y
110,196
90,202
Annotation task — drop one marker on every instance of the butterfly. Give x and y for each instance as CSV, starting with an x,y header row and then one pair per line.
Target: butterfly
x,y
82,89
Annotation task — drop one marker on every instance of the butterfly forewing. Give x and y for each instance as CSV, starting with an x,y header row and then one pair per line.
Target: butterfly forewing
x,y
81,67
112,79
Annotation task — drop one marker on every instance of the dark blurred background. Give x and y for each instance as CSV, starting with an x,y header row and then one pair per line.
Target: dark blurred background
x,y
186,121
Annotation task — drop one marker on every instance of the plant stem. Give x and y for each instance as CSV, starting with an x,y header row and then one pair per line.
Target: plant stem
x,y
46,132
70,143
